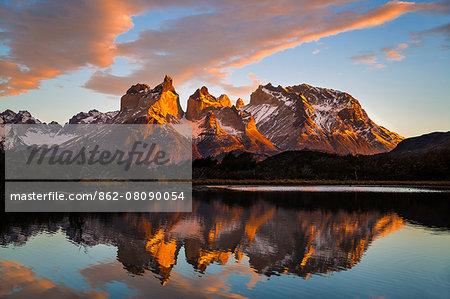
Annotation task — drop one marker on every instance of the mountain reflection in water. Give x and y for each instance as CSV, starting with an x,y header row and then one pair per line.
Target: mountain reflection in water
x,y
279,233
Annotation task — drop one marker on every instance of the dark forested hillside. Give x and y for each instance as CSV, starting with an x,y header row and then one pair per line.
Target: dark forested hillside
x,y
321,166
426,157
436,141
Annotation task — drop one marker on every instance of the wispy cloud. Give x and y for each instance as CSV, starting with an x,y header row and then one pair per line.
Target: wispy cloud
x,y
393,54
390,54
315,52
369,59
47,39
443,30
366,59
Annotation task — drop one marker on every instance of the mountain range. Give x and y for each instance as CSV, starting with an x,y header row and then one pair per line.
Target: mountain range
x,y
277,119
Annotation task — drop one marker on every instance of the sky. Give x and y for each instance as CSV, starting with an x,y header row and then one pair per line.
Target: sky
x,y
58,58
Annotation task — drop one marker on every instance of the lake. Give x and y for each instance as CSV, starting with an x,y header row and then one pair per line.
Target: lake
x,y
239,241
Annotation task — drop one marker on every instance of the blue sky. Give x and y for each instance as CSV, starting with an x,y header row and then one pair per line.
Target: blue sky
x,y
392,56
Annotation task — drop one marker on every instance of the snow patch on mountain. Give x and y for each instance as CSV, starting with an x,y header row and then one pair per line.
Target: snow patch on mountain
x,y
93,117
287,101
261,113
230,129
46,138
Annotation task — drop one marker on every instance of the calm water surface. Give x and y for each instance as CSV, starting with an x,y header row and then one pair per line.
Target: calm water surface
x,y
291,243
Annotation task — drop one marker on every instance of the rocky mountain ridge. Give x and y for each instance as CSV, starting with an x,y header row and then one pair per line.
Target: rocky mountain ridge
x,y
92,117
299,117
303,117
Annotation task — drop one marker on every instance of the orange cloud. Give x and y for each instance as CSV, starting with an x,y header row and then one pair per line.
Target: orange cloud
x,y
393,55
18,281
53,38
369,59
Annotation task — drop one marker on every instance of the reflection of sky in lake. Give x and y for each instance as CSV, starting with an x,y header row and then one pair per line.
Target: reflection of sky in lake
x,y
254,249
408,262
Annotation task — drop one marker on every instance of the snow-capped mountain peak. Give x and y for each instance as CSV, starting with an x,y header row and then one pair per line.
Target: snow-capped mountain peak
x,y
305,117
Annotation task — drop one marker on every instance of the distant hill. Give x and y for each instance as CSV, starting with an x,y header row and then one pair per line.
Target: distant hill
x,y
433,142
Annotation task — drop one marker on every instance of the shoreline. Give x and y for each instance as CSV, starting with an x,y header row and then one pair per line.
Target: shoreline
x,y
287,182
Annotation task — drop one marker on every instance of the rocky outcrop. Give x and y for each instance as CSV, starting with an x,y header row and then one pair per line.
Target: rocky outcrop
x,y
144,105
21,117
213,140
93,117
202,101
239,103
132,96
220,128
224,100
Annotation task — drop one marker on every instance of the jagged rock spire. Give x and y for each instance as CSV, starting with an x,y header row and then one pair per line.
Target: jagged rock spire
x,y
160,104
202,99
168,84
239,103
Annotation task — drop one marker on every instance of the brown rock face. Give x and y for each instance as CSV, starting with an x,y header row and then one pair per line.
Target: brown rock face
x,y
132,96
223,129
259,96
201,100
214,140
143,105
137,88
239,103
168,85
224,100
255,141
168,103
